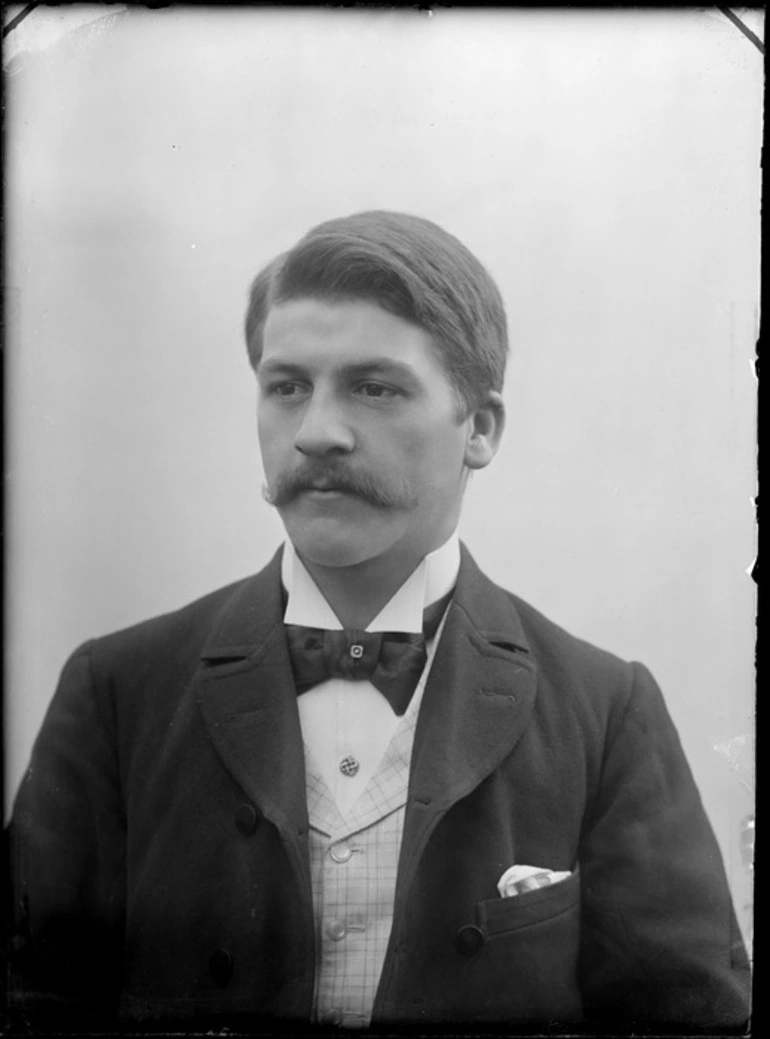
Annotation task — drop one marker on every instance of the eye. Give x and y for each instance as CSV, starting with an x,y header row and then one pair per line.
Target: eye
x,y
377,391
286,390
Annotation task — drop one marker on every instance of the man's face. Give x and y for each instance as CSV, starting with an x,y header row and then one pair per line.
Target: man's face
x,y
363,450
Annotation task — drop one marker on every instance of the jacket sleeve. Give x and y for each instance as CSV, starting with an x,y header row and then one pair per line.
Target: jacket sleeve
x,y
661,945
67,863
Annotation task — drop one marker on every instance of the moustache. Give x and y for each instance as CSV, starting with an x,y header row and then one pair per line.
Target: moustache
x,y
382,494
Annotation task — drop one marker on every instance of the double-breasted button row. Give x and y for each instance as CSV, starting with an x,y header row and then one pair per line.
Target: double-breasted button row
x,y
247,819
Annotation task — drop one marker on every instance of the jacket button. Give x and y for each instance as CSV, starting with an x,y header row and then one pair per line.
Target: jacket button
x,y
247,820
469,940
221,966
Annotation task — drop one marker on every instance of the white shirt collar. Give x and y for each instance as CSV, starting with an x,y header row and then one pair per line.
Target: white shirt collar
x,y
433,578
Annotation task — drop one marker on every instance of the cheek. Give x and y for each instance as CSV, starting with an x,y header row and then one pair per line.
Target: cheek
x,y
261,427
264,447
271,436
435,455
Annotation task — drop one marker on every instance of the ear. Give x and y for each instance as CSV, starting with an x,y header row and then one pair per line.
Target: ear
x,y
485,428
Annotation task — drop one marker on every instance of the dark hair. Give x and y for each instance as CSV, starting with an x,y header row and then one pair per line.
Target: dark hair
x,y
410,267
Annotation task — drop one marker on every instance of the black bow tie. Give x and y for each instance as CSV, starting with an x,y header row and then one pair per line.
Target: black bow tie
x,y
391,660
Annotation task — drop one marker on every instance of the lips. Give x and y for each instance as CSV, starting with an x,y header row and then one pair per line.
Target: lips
x,y
325,487
332,483
324,492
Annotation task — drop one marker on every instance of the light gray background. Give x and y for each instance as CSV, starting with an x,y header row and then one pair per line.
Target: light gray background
x,y
605,167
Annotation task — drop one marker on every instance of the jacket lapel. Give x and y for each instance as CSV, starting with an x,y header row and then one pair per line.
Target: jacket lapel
x,y
246,695
477,703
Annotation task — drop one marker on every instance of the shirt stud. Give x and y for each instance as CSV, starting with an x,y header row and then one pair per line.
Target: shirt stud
x,y
349,766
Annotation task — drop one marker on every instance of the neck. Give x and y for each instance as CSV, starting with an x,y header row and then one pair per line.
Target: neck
x,y
358,593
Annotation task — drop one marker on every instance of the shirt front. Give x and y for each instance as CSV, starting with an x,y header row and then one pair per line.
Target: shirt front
x,y
356,819
352,720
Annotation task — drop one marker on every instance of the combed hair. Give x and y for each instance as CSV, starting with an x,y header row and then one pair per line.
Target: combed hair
x,y
410,267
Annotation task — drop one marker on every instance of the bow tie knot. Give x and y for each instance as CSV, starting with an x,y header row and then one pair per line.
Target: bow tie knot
x,y
391,661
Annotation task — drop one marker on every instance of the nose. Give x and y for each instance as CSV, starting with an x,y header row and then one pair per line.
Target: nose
x,y
323,430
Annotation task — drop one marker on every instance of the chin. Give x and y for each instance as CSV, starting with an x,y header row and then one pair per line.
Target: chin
x,y
338,545
331,555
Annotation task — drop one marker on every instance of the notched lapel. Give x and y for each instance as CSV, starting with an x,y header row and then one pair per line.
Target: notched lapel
x,y
246,695
250,711
477,704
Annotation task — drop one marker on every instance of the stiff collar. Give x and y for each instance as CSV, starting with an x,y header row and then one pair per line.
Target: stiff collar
x,y
433,578
250,613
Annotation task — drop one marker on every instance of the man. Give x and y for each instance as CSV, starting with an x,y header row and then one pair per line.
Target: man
x,y
368,786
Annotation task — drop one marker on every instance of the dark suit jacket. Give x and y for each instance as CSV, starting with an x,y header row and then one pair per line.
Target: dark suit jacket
x,y
160,837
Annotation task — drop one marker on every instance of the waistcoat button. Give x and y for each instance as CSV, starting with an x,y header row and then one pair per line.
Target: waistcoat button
x,y
336,930
340,852
470,939
246,819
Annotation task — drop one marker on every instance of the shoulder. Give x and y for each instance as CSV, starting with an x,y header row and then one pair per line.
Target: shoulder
x,y
579,678
554,647
572,673
171,644
499,614
137,679
185,627
593,701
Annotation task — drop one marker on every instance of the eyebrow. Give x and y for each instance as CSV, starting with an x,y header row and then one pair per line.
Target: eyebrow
x,y
361,369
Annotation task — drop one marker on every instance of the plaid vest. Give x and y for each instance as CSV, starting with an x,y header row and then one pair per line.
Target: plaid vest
x,y
354,862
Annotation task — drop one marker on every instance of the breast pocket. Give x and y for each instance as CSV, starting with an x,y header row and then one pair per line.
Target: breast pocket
x,y
522,953
496,917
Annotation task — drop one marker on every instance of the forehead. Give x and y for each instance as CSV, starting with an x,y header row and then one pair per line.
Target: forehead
x,y
314,331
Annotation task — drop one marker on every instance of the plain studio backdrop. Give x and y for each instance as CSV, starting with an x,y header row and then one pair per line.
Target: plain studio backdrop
x,y
604,166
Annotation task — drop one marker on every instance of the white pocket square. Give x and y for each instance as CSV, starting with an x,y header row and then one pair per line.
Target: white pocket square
x,y
519,879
